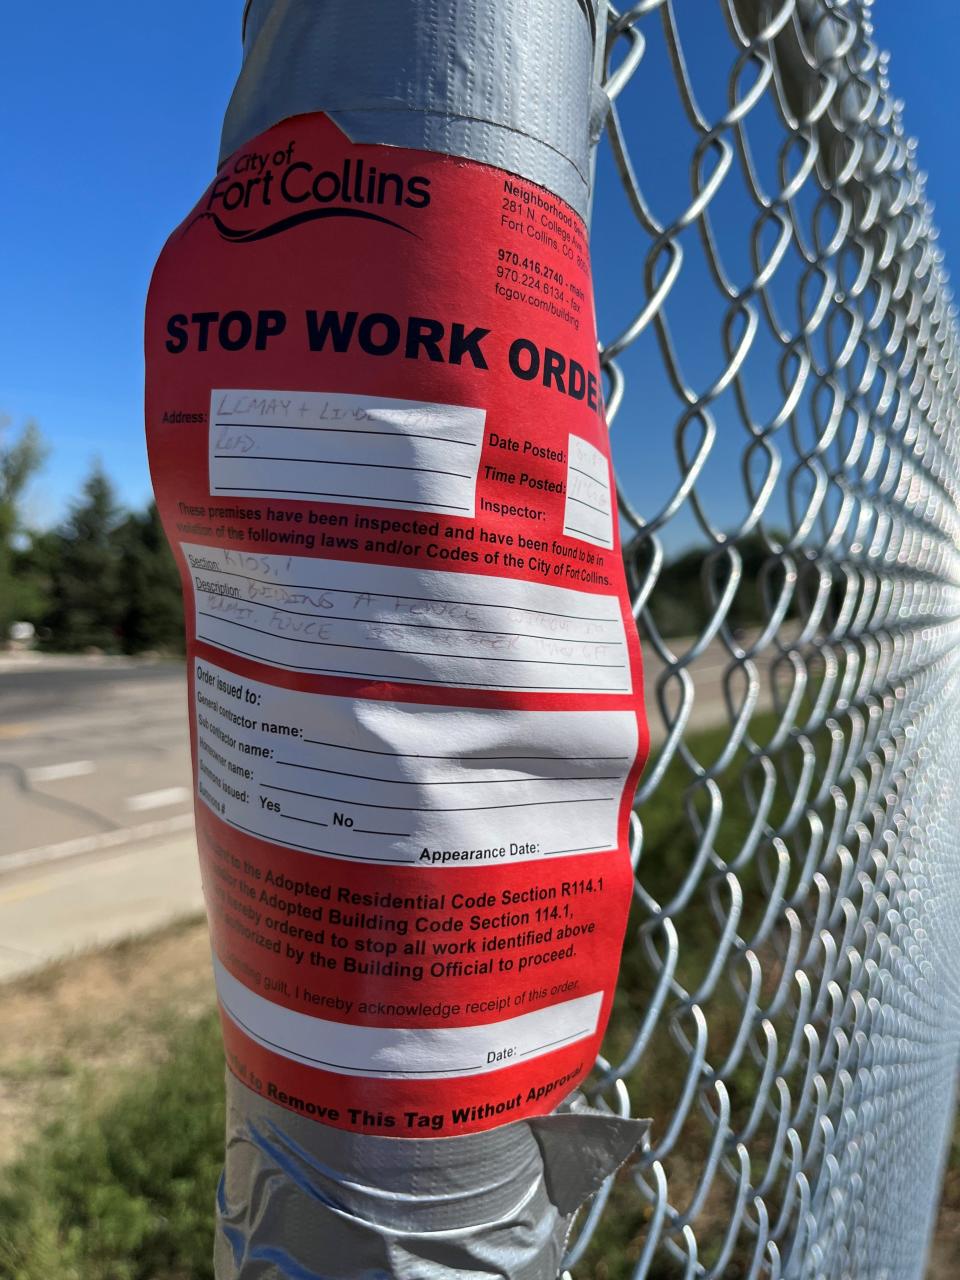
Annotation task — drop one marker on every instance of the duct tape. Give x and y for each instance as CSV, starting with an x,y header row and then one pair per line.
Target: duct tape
x,y
301,1200
511,85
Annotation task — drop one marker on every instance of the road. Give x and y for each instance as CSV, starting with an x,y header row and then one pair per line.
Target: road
x,y
97,837
90,748
95,790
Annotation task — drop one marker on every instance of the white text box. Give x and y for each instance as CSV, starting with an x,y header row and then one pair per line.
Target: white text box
x,y
406,785
367,621
354,449
429,1053
588,507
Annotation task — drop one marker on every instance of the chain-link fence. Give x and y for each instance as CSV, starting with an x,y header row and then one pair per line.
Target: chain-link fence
x,y
783,396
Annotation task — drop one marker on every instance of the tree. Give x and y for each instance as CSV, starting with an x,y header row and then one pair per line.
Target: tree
x,y
84,565
20,594
152,608
681,604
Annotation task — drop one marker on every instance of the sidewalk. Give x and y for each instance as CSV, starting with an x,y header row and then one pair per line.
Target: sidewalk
x,y
54,909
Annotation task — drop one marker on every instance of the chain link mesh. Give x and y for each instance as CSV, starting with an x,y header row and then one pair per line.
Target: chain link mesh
x,y
789,1007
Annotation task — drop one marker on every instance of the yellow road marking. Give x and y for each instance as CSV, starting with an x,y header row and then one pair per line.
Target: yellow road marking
x,y
15,730
28,890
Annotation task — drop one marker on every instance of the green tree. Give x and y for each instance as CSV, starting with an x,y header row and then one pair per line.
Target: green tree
x,y
681,601
152,616
84,563
20,592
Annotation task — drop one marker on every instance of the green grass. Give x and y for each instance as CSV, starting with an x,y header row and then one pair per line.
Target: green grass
x,y
124,1191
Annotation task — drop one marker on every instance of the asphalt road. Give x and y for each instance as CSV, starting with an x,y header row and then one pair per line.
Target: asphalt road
x,y
89,748
96,841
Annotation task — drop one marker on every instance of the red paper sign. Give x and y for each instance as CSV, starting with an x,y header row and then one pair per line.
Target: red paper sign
x,y
376,435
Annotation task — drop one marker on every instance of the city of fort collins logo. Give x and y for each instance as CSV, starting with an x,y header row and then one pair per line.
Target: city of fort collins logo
x,y
296,191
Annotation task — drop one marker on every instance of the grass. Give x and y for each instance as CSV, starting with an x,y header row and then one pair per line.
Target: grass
x,y
655,1086
124,1191
121,1185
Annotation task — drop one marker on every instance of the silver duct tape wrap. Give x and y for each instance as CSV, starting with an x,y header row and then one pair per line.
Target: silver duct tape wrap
x,y
472,78
299,1199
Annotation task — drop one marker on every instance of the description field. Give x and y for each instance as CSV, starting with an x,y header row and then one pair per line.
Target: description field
x,y
333,617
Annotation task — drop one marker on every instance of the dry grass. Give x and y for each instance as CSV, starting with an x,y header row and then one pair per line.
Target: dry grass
x,y
87,1018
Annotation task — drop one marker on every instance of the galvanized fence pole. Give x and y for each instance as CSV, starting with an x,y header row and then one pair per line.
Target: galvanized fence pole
x,y
512,85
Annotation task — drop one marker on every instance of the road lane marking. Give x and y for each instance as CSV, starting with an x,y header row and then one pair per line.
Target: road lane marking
x,y
54,772
93,844
157,799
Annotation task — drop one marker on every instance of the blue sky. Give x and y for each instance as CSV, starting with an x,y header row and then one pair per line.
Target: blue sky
x,y
112,114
